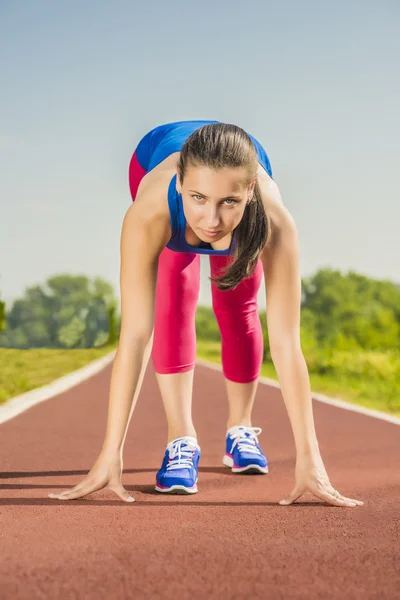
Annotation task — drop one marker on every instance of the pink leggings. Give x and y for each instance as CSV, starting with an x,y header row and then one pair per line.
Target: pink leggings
x,y
177,291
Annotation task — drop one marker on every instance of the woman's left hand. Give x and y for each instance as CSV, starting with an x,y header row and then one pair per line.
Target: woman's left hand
x,y
312,477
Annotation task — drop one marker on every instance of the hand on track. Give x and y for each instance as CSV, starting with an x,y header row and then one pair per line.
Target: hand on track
x,y
105,473
312,477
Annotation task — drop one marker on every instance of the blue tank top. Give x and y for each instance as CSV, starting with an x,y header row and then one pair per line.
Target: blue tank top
x,y
156,146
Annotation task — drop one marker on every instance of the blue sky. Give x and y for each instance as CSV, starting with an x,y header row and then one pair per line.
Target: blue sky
x,y
316,83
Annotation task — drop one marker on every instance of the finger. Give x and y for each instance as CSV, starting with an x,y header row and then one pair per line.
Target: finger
x,y
122,493
358,502
292,497
79,493
73,489
61,495
336,501
331,490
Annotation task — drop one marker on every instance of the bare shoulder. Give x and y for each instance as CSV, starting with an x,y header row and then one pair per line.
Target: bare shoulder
x,y
152,195
279,214
148,216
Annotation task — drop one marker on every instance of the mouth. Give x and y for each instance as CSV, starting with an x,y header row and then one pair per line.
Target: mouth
x,y
210,234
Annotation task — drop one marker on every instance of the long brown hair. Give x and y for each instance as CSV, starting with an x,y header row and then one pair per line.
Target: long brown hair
x,y
219,145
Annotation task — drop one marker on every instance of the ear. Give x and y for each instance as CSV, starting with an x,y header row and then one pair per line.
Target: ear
x,y
252,186
178,185
251,189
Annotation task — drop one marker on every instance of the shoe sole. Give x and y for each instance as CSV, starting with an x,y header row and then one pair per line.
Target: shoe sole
x,y
250,469
177,489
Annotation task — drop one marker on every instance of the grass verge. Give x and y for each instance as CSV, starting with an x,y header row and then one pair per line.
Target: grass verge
x,y
24,370
350,389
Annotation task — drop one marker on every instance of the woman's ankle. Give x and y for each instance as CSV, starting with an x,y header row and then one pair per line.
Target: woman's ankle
x,y
244,421
174,434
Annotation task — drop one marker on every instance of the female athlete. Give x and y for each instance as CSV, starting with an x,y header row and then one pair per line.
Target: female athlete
x,y
206,187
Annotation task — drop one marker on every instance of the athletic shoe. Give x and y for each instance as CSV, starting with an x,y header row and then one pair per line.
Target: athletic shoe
x,y
243,452
179,470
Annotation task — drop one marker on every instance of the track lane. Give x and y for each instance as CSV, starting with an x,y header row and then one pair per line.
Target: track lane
x,y
231,540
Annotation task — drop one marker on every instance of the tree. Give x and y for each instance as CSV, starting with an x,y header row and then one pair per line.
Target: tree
x,y
69,311
353,309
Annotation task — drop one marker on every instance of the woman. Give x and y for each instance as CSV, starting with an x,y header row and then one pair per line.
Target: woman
x,y
206,187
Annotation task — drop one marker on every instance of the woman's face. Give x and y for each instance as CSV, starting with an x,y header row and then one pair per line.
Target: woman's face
x,y
214,201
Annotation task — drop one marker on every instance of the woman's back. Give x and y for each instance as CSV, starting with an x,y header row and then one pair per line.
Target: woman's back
x,y
164,140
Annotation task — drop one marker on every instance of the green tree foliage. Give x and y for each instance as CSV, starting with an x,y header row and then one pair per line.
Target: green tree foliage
x,y
353,310
2,315
69,311
206,324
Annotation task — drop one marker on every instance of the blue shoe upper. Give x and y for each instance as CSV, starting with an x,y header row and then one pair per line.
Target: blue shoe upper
x,y
242,445
180,464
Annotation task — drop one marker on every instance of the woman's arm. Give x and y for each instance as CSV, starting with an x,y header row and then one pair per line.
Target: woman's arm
x,y
283,300
145,232
281,264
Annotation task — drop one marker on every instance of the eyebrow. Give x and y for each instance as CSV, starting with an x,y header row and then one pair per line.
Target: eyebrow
x,y
226,198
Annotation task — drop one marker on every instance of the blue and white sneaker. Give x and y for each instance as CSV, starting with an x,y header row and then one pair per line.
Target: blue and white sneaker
x,y
179,470
243,452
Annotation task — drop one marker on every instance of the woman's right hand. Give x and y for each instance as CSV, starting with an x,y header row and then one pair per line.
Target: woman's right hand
x,y
105,473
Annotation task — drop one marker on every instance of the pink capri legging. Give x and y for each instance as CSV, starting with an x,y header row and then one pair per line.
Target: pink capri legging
x,y
177,291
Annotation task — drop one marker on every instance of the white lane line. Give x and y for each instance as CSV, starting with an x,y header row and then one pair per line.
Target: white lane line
x,y
21,403
377,414
15,406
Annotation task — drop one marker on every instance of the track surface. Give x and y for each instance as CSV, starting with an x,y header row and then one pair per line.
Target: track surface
x,y
230,541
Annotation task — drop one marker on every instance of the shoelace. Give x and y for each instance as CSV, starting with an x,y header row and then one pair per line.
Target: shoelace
x,y
246,439
181,457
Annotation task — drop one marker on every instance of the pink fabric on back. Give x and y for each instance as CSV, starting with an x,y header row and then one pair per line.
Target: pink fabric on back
x,y
136,173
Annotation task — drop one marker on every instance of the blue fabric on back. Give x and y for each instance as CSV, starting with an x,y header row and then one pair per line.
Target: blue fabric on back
x,y
153,148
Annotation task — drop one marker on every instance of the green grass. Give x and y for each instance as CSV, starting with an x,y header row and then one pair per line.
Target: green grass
x,y
24,370
356,390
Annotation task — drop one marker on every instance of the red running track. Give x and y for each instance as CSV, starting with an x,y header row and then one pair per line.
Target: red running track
x,y
230,541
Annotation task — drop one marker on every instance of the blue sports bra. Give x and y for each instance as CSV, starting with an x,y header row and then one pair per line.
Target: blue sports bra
x,y
155,147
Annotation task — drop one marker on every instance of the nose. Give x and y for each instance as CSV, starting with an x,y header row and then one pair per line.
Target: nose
x,y
212,219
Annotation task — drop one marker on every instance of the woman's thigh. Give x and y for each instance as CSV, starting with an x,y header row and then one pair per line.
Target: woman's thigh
x,y
241,297
178,282
236,312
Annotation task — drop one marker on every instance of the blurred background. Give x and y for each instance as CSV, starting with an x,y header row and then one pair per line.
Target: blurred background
x,y
316,83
